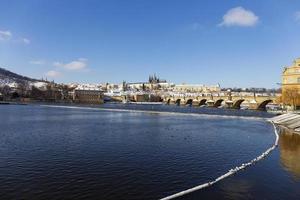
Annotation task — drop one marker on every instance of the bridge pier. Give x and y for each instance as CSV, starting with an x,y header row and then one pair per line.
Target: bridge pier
x,y
229,104
210,103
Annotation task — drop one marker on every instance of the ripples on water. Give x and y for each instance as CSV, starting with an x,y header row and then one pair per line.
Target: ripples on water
x,y
62,153
276,177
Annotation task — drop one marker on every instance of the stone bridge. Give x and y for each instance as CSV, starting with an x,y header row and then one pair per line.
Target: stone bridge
x,y
234,102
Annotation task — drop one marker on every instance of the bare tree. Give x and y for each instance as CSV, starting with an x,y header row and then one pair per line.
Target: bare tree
x,y
291,96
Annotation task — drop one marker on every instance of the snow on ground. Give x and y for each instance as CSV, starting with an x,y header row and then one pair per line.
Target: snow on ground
x,y
41,85
88,86
14,84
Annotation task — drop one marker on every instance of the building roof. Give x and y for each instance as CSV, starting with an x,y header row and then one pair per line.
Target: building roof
x,y
297,60
138,83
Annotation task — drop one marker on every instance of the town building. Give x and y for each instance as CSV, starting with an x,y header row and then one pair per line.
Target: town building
x,y
291,84
291,76
88,94
199,88
154,83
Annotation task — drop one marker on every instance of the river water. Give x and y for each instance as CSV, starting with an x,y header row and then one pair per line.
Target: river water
x,y
81,153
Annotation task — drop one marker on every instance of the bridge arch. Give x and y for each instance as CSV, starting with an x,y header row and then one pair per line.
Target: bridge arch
x,y
168,101
189,102
177,102
237,104
262,105
218,103
202,102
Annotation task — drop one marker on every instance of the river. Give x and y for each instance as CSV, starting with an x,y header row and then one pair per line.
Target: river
x,y
82,153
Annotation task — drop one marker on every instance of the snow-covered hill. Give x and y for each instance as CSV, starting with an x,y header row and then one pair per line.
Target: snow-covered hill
x,y
8,78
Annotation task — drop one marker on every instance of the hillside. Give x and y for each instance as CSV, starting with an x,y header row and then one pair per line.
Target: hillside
x,y
10,78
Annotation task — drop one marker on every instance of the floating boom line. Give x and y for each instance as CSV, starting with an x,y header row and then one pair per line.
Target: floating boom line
x,y
230,172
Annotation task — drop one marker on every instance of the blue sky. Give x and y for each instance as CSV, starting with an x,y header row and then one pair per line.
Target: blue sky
x,y
236,43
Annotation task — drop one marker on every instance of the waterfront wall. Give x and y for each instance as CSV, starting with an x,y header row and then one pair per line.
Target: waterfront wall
x,y
289,120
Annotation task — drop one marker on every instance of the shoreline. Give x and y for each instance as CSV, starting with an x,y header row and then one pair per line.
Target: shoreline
x,y
288,129
289,121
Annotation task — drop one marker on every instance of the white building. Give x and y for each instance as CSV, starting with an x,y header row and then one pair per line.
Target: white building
x,y
196,88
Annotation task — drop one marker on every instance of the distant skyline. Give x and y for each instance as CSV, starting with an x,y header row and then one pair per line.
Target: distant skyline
x,y
234,43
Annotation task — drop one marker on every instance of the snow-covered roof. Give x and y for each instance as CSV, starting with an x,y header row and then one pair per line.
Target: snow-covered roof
x,y
39,84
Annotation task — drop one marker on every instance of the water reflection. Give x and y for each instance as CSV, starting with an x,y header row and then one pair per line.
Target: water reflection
x,y
237,189
289,145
